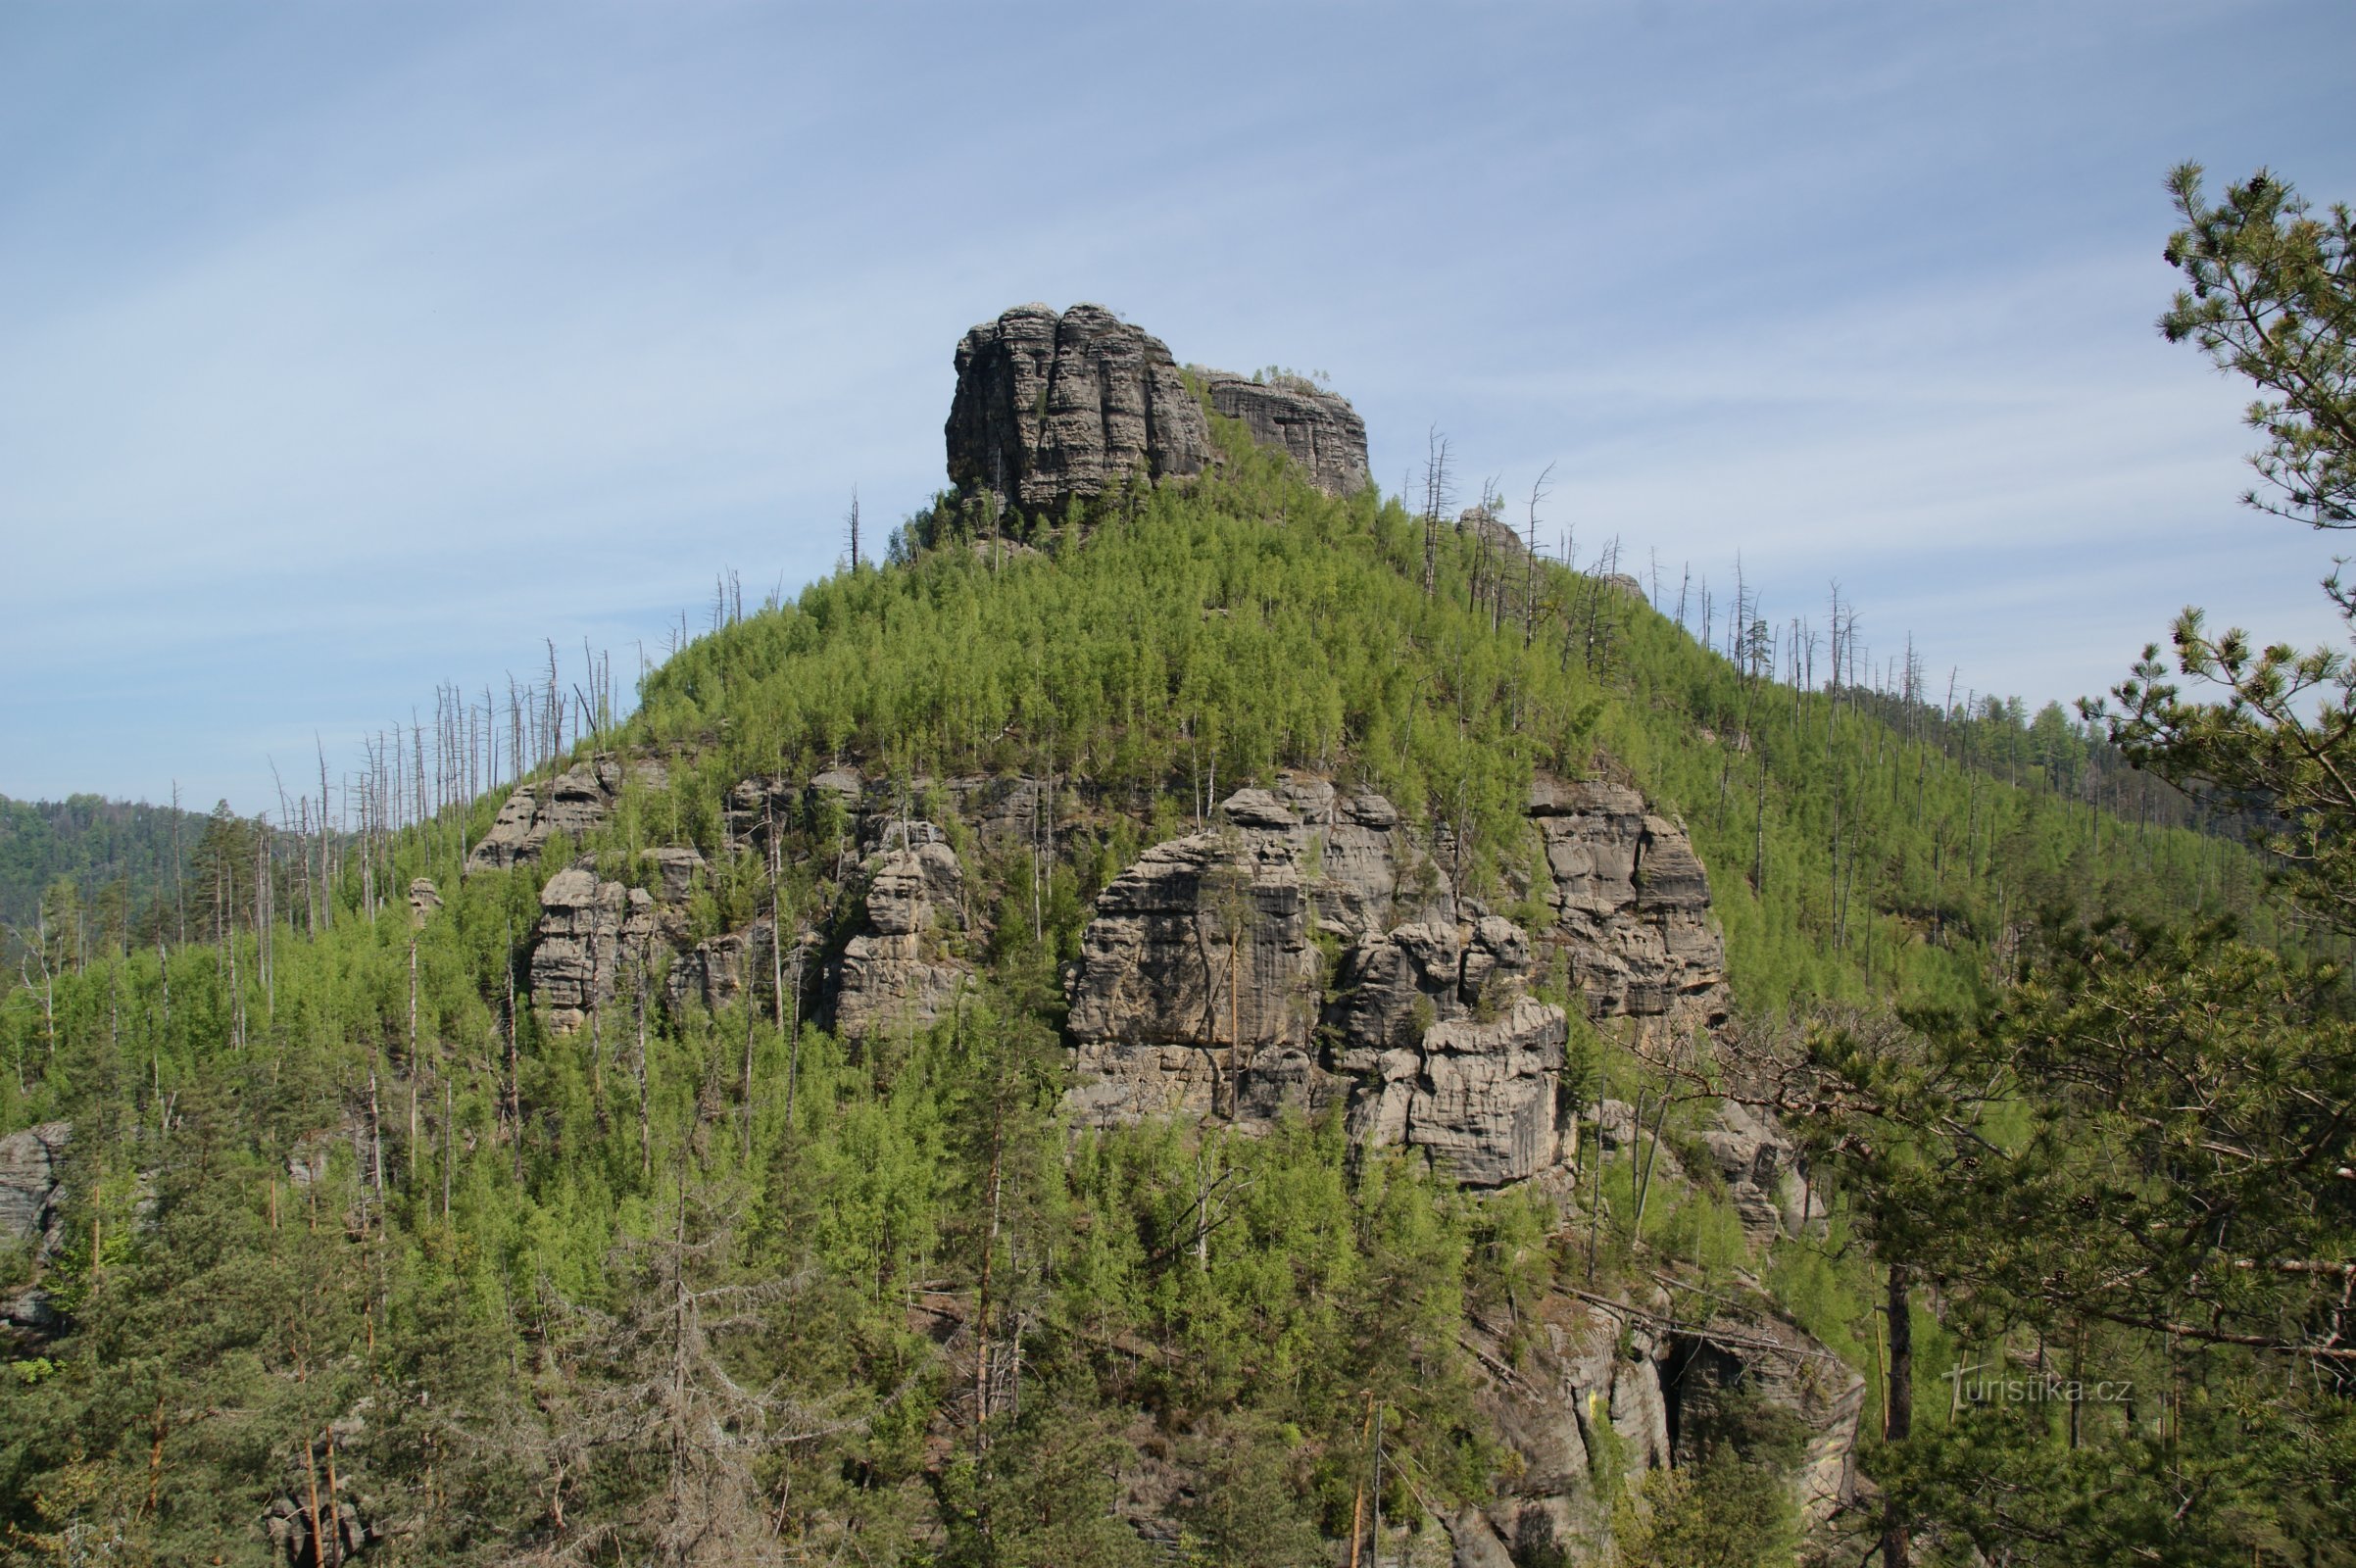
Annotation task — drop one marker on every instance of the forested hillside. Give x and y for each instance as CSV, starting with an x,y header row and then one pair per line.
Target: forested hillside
x,y
735,1143
116,859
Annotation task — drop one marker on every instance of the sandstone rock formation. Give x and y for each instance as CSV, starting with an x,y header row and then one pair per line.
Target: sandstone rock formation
x,y
1763,1173
1632,905
1664,1391
1201,991
891,974
423,899
1316,429
29,1194
572,803
716,971
1479,1096
1753,1354
589,930
1052,407
675,872
1197,991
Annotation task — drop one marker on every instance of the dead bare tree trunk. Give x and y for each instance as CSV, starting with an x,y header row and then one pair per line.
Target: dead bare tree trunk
x,y
1897,1548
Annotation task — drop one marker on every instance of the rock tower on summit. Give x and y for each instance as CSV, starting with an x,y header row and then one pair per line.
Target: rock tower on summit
x,y
1052,407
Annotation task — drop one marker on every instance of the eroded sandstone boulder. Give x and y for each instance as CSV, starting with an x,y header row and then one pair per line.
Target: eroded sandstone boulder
x,y
30,1169
1631,905
1316,429
892,973
1051,407
589,929
573,802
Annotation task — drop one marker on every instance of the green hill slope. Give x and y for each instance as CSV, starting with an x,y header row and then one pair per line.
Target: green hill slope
x,y
343,1215
118,857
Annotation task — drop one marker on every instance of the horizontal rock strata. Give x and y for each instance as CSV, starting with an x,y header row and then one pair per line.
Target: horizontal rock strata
x,y
1316,429
574,803
1307,952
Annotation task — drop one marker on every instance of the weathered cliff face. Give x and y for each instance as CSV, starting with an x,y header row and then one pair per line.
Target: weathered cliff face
x,y
31,1200
573,802
1202,989
1664,1392
1316,429
1198,989
588,930
1752,1356
893,974
1052,407
1632,907
29,1192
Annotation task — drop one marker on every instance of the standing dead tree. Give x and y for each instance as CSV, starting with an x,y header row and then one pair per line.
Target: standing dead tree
x,y
1437,496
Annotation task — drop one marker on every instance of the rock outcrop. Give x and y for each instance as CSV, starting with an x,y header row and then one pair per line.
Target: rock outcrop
x,y
1205,989
589,930
1754,1356
1481,1097
1593,1381
1052,407
1198,989
29,1192
891,974
1763,1173
31,1195
573,802
423,899
1316,429
1049,408
1632,907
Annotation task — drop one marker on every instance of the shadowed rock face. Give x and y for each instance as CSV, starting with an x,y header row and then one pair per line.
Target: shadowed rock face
x,y
1315,428
1567,1373
1750,1353
1052,407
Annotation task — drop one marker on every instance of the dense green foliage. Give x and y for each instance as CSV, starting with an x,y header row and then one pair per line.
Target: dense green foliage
x,y
100,866
2129,1174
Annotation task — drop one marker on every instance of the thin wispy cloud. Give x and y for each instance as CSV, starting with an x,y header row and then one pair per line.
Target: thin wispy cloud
x,y
348,350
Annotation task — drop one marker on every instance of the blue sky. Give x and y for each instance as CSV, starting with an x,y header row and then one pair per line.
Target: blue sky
x,y
348,349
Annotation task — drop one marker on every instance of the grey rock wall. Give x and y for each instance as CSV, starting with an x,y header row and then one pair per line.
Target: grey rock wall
x,y
1202,988
30,1163
893,974
574,803
1316,429
589,929
1051,407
